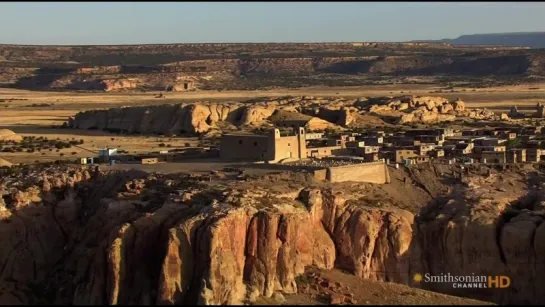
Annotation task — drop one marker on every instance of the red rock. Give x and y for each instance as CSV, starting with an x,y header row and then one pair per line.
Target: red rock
x,y
336,299
325,283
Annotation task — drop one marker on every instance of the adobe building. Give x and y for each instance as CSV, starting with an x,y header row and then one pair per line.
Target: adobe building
x,y
493,157
107,154
540,110
181,86
403,154
271,148
516,155
533,155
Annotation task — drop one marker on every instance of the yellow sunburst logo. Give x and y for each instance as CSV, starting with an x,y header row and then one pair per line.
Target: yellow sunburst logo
x,y
417,277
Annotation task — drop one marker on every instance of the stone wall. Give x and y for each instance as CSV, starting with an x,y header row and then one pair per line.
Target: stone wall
x,y
372,172
245,147
149,160
320,174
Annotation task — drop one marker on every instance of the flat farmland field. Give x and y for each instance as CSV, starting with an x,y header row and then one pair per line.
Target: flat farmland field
x,y
38,113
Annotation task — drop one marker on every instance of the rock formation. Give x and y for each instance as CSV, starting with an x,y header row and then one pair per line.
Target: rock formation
x,y
421,109
322,113
136,238
112,85
4,162
514,113
8,135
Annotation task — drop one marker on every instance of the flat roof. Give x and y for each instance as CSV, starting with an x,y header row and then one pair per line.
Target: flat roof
x,y
465,137
487,138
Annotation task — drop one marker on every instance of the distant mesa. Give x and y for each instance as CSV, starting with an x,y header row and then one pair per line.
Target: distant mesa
x,y
221,67
517,39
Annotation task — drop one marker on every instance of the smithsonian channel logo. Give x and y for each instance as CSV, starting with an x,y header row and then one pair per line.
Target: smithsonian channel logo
x,y
466,281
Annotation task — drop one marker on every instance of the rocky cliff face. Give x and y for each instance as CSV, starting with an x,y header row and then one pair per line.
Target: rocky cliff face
x,y
487,232
201,117
132,238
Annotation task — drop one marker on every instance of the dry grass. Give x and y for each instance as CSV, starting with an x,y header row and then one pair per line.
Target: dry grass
x,y
93,141
15,113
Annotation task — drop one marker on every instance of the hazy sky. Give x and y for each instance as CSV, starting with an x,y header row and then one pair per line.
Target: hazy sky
x,y
203,22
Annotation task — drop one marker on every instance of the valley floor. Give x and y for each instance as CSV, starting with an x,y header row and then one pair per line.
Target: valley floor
x,y
16,105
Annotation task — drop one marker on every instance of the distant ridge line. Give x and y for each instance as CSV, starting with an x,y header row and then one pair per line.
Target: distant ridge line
x,y
513,39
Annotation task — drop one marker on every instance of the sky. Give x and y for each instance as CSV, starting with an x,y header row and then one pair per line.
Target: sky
x,y
89,23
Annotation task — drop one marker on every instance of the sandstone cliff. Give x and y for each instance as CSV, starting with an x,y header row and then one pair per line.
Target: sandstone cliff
x,y
133,238
314,113
9,136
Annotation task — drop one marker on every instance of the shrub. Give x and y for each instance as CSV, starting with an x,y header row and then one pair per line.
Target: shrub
x,y
61,154
162,145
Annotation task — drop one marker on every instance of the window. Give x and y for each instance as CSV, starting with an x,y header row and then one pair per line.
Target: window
x,y
255,143
240,142
289,144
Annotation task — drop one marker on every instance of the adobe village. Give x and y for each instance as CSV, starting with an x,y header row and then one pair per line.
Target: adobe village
x,y
329,140
327,173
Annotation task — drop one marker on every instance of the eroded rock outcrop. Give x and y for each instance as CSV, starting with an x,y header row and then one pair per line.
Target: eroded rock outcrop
x,y
8,135
136,238
211,252
479,231
312,112
421,109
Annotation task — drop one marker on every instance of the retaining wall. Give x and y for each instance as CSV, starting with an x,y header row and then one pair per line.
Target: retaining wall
x,y
320,174
372,172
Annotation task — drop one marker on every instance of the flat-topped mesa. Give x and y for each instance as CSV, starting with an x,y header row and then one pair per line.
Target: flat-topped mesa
x,y
308,112
250,66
